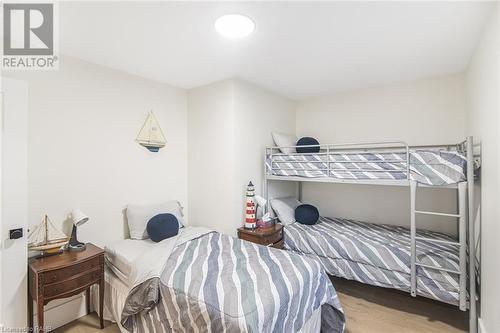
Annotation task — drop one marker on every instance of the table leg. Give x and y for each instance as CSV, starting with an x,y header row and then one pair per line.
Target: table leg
x,y
41,327
30,313
101,302
87,299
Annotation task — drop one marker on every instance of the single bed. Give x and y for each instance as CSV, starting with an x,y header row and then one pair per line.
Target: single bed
x,y
378,255
207,281
430,167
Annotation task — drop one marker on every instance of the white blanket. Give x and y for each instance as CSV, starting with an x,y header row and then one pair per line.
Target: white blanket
x,y
151,262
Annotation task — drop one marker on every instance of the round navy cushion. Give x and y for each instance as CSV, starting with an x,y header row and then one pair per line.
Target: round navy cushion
x,y
306,214
307,141
162,226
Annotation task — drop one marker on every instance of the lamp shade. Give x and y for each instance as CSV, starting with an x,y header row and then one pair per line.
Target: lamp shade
x,y
78,217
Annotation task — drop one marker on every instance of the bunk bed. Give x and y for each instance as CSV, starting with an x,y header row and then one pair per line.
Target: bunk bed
x,y
421,262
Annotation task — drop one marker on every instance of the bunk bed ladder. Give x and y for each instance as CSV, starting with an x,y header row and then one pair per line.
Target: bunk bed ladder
x,y
461,243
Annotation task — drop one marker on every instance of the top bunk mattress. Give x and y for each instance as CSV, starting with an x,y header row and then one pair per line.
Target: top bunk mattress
x,y
430,167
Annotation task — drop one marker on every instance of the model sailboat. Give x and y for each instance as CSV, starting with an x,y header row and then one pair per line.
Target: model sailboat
x,y
46,238
151,136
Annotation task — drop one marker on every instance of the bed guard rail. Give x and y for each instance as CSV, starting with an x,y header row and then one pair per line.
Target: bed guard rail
x,y
328,149
332,165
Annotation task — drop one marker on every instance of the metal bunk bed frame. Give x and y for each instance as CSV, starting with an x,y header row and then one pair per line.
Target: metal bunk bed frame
x,y
465,214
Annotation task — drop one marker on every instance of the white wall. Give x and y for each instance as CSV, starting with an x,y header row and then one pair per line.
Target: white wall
x,y
83,120
14,202
230,123
258,114
427,111
430,111
483,122
211,158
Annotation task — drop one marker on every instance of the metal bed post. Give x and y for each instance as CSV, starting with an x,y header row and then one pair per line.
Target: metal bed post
x,y
300,191
328,166
266,193
472,237
266,183
408,162
462,238
413,240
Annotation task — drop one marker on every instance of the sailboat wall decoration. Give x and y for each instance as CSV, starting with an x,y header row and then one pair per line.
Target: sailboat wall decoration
x,y
151,136
46,238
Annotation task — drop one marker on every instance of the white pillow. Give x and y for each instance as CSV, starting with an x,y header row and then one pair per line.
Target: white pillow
x,y
285,140
138,216
285,209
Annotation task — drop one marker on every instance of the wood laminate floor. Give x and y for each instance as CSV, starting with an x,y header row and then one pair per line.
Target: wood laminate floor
x,y
373,309
368,310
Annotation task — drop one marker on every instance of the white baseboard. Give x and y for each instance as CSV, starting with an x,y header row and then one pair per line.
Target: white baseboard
x,y
60,312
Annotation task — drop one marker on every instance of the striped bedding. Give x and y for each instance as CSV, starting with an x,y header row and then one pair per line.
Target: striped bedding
x,y
377,254
216,283
431,167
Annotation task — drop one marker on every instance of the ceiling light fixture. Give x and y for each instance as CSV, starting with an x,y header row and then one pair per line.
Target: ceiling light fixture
x,y
234,26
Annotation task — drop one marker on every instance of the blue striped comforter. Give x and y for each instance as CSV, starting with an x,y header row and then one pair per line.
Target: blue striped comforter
x,y
377,254
431,167
216,283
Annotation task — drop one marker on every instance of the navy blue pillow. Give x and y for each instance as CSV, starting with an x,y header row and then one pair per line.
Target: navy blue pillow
x,y
307,141
306,214
162,226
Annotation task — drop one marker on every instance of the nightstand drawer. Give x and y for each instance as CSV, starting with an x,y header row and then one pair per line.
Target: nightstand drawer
x,y
273,238
63,287
263,236
262,239
67,272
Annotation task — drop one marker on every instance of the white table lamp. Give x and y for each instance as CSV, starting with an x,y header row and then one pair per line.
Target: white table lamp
x,y
78,218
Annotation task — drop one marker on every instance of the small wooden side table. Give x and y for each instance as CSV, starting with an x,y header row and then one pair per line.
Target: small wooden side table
x,y
272,236
62,276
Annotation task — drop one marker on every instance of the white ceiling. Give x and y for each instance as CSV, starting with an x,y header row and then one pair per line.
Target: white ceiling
x,y
299,49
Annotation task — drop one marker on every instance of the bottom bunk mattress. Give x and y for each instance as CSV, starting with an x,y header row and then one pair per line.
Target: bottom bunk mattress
x,y
378,255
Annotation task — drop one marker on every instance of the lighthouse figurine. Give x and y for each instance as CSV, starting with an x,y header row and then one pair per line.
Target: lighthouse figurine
x,y
250,220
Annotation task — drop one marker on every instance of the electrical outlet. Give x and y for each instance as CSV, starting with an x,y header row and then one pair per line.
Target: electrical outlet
x,y
16,233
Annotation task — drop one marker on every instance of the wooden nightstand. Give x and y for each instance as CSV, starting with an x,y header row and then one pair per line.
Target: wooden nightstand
x,y
272,236
62,276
